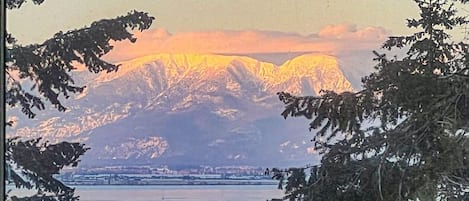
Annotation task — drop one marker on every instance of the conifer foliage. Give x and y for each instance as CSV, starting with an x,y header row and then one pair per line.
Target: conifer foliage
x,y
404,136
32,163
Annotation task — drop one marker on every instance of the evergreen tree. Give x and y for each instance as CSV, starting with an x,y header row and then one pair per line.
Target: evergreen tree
x,y
32,164
420,103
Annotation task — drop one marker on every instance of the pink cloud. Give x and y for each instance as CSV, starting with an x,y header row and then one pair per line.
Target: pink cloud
x,y
333,38
351,32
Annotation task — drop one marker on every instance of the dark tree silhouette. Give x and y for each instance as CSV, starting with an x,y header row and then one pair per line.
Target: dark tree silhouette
x,y
33,163
419,150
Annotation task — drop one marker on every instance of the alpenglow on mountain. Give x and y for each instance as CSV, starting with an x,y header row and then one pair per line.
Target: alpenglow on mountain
x,y
190,109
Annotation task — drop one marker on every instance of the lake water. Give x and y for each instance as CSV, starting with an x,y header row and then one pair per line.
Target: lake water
x,y
179,193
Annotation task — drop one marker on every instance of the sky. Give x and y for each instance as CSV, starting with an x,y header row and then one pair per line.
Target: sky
x,y
296,16
222,26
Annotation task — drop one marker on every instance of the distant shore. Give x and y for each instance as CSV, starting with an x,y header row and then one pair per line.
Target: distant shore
x,y
173,182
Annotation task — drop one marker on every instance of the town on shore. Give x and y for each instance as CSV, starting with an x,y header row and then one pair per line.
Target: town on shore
x,y
163,175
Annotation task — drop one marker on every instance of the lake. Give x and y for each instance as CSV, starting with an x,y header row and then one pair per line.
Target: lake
x,y
178,193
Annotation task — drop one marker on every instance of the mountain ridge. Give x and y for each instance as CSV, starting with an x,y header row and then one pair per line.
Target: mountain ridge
x,y
213,63
191,109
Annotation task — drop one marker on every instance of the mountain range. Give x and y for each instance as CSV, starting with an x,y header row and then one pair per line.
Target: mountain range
x,y
190,109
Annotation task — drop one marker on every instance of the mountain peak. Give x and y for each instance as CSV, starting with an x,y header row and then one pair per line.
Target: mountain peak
x,y
178,63
309,73
312,60
173,108
313,73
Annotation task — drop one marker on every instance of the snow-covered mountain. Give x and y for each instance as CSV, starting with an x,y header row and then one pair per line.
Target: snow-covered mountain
x,y
190,109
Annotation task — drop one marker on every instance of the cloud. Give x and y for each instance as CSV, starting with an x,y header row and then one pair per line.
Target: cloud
x,y
332,38
351,32
311,150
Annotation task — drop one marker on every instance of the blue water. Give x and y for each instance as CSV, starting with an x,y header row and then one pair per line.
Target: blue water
x,y
178,193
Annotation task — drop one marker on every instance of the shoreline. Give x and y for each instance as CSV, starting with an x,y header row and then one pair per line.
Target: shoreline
x,y
164,182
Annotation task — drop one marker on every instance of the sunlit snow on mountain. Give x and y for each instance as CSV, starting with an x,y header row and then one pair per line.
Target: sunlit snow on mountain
x,y
190,109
